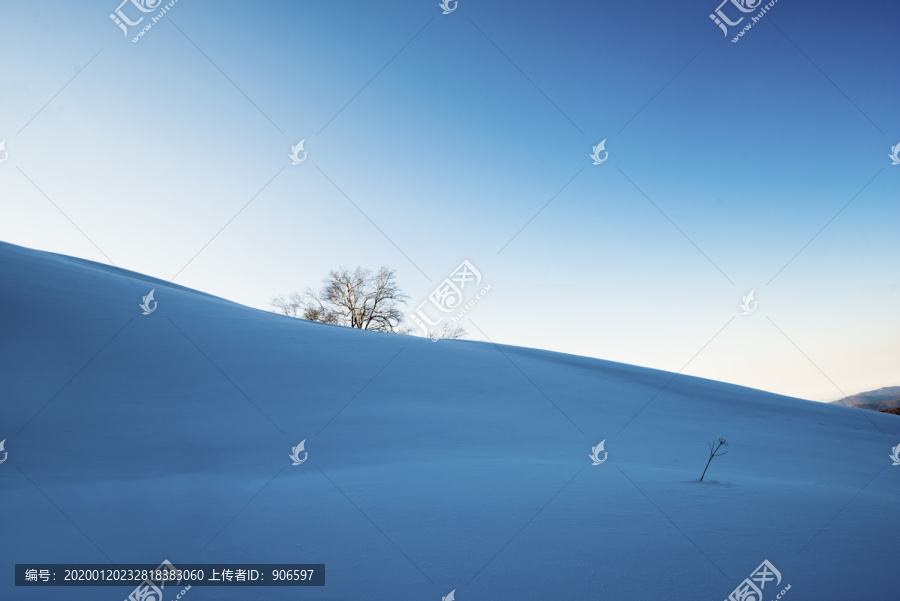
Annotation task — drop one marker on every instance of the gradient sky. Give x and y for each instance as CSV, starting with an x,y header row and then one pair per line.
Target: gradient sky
x,y
435,138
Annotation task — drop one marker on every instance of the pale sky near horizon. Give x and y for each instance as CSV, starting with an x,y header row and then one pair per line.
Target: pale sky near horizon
x,y
432,139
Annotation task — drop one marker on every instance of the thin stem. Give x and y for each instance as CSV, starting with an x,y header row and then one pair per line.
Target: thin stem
x,y
707,467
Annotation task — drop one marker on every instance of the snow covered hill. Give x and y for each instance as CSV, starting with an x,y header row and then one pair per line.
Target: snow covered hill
x,y
432,467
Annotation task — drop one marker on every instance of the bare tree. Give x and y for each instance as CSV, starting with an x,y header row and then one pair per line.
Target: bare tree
x,y
356,299
447,333
714,452
291,305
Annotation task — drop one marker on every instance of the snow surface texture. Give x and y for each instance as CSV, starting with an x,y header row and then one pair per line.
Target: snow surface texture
x,y
432,466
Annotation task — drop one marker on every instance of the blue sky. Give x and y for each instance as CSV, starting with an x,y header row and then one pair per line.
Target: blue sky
x,y
448,133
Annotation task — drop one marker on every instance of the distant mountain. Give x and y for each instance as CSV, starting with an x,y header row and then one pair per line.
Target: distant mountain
x,y
890,395
887,405
895,410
